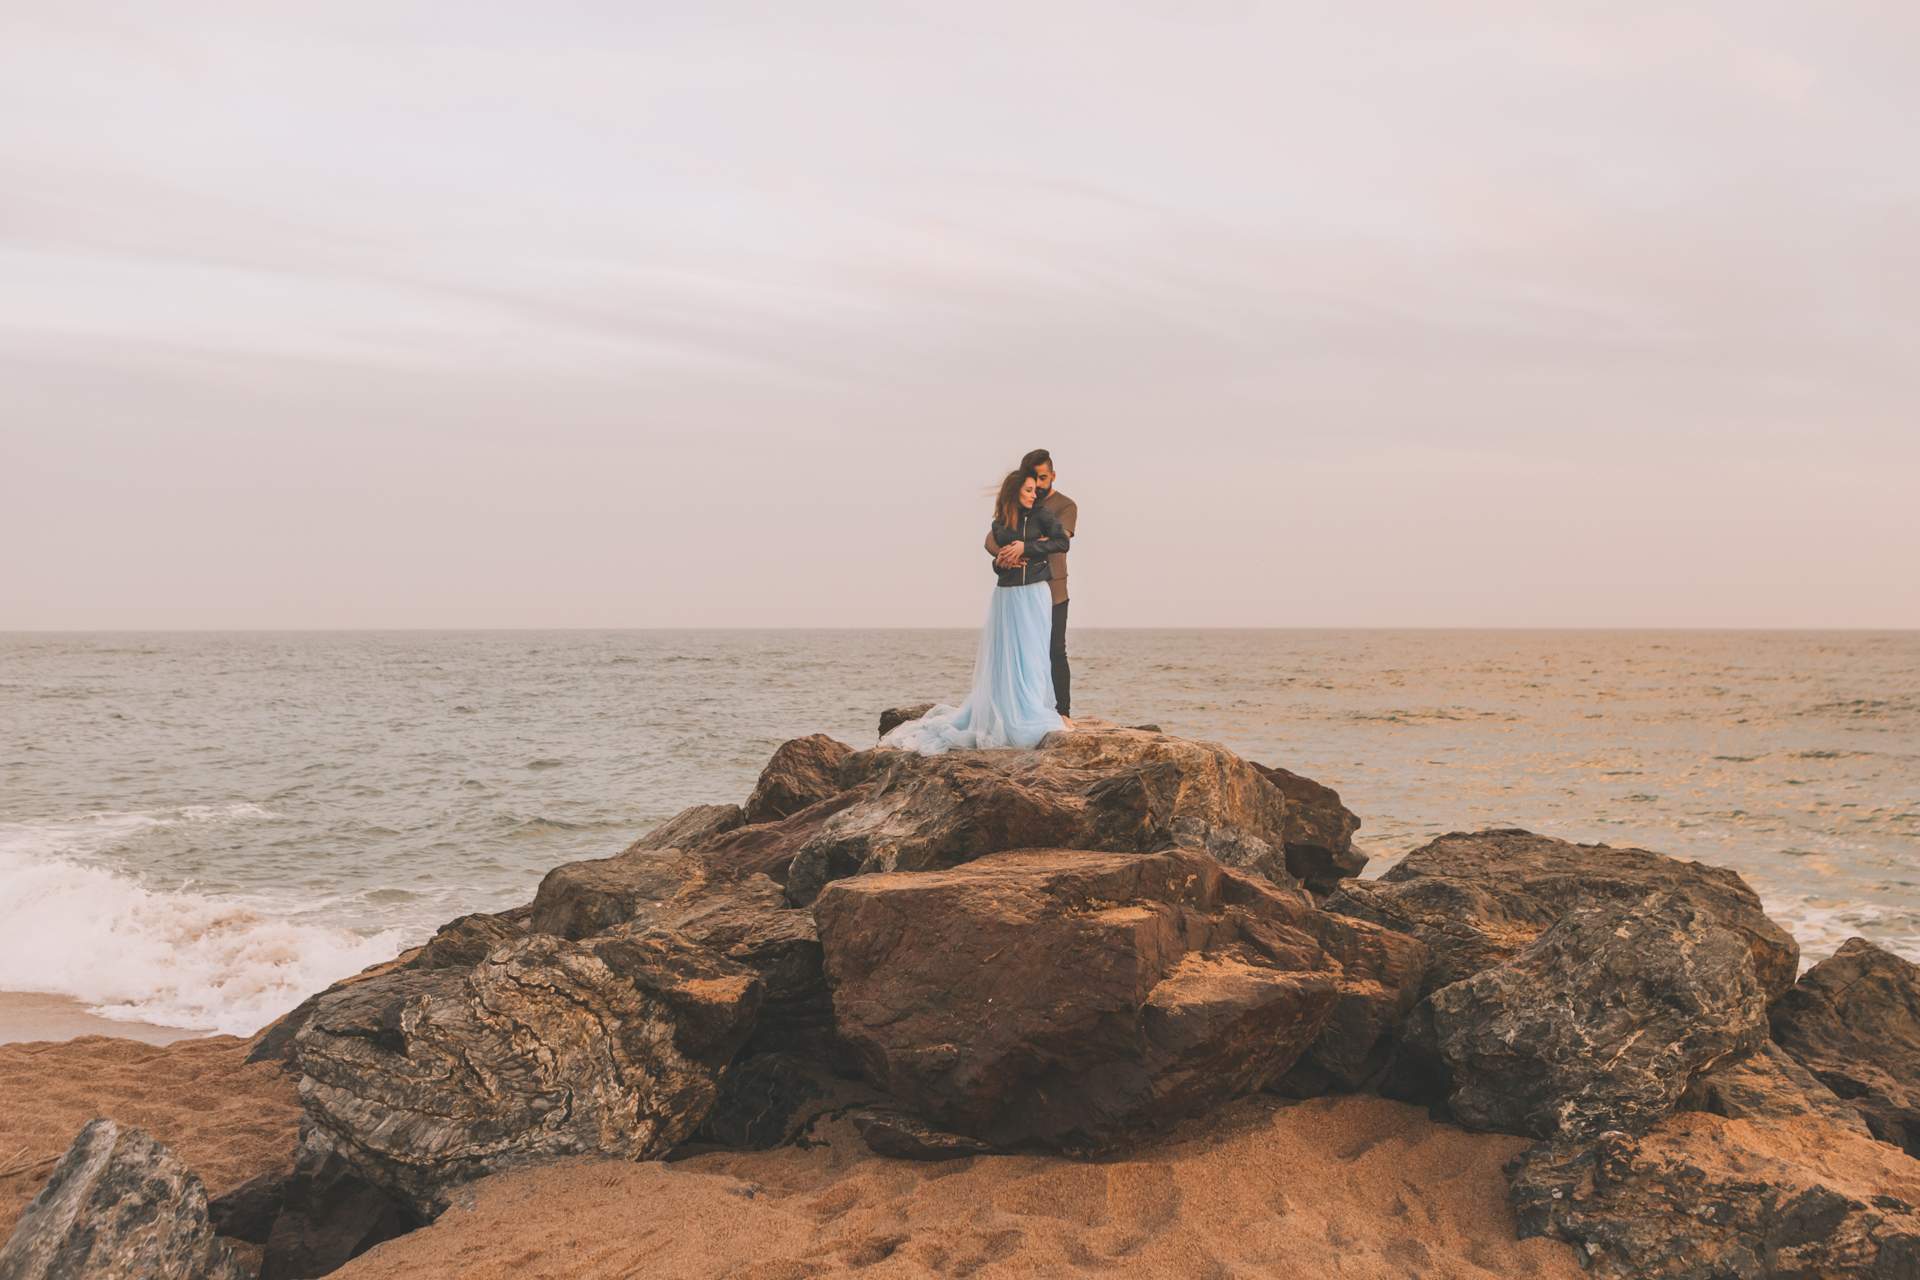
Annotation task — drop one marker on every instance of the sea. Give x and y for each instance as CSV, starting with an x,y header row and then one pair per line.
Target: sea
x,y
197,830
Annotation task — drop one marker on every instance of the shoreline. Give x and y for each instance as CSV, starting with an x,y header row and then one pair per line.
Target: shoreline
x,y
33,1016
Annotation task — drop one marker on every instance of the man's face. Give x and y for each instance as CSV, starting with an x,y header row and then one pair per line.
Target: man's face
x,y
1044,471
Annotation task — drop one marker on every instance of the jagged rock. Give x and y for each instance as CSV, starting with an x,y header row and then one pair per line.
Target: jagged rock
x,y
246,1212
1469,927
900,1136
1231,847
1768,1087
801,774
464,941
423,1080
577,899
1075,998
1853,1020
118,1206
762,1102
329,1215
1697,1199
1101,788
751,923
1602,1023
1502,888
768,849
893,717
1318,834
692,828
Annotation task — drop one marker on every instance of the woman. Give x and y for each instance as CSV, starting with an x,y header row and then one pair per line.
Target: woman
x,y
1012,700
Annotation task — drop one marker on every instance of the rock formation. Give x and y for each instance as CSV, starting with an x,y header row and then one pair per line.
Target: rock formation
x,y
423,1080
1853,1020
118,1206
1602,1023
1077,998
1479,899
1317,836
801,774
893,717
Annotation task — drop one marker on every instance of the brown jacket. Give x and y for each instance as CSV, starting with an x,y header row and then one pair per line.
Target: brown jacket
x,y
1068,513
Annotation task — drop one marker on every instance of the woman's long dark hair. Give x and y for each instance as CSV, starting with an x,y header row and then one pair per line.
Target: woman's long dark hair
x,y
1006,507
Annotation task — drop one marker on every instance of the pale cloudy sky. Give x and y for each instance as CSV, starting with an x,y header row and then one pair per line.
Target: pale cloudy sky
x,y
431,314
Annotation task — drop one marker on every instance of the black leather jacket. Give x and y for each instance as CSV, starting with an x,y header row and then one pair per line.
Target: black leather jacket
x,y
1040,530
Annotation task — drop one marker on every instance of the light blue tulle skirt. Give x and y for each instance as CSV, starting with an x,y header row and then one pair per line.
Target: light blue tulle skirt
x,y
1012,700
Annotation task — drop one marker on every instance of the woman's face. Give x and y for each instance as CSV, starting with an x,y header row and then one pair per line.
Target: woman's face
x,y
1026,493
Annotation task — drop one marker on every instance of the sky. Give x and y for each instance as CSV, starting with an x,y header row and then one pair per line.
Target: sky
x,y
1379,314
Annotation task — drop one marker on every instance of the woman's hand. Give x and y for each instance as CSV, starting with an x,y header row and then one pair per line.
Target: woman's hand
x,y
1011,554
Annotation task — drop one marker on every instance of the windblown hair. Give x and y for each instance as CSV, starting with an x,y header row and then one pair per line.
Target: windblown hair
x,y
1006,507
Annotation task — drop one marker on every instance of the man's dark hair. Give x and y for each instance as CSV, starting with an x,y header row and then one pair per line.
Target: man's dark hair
x,y
1035,458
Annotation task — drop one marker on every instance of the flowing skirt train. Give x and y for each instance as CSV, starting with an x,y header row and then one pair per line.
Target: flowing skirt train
x,y
1011,704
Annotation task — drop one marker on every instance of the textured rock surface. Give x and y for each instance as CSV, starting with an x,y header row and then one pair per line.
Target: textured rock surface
x,y
118,1206
900,1136
1075,998
1770,1086
768,848
1231,847
691,828
1504,887
893,717
548,1047
1602,1023
762,1101
1853,1020
577,899
329,1215
801,774
247,1211
1317,837
463,942
1700,1199
1103,788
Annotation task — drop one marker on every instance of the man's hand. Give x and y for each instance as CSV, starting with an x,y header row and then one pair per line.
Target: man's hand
x,y
1012,556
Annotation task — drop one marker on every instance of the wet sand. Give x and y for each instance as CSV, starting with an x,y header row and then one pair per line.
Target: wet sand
x,y
26,1015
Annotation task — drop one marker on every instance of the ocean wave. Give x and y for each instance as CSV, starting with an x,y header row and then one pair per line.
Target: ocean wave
x,y
136,954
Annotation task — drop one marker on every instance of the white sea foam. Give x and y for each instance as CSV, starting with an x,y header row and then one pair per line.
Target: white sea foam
x,y
1820,927
136,954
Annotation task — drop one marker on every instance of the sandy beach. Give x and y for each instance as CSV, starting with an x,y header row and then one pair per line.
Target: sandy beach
x,y
1352,1186
27,1016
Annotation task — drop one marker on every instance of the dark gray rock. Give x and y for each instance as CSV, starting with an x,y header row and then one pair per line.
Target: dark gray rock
x,y
609,1045
901,1136
118,1206
1093,789
692,828
1853,1020
329,1215
246,1212
801,774
577,899
1603,1023
1077,999
464,942
1478,899
893,717
763,1102
1317,837
1769,1087
1694,1205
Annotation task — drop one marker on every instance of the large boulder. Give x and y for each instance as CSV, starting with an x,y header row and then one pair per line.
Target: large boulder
x,y
1479,899
1853,1020
1318,835
1100,788
1603,1023
1075,998
611,1045
768,848
691,828
801,774
1767,1087
893,717
118,1206
1699,1198
577,899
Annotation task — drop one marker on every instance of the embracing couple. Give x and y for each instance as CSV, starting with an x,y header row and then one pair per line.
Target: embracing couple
x,y
1021,687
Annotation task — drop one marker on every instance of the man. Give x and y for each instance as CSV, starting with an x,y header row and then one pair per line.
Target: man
x,y
1040,462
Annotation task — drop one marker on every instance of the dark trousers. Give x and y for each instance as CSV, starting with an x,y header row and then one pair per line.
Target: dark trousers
x,y
1062,678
